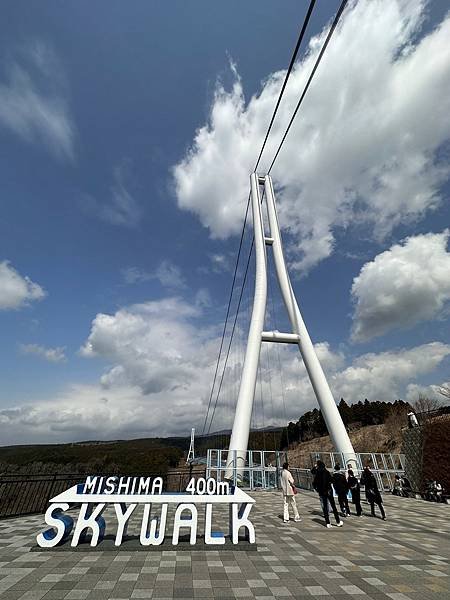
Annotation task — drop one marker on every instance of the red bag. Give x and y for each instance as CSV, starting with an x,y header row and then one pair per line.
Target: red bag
x,y
294,489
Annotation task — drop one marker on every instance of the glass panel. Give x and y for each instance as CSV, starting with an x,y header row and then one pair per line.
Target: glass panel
x,y
384,480
245,478
389,461
257,458
379,461
367,459
270,459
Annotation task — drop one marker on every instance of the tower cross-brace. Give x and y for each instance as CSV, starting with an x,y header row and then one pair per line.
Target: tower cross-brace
x,y
299,335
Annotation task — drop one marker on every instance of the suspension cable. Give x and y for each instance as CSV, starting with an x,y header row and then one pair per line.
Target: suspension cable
x,y
288,73
228,313
291,64
319,58
234,323
232,335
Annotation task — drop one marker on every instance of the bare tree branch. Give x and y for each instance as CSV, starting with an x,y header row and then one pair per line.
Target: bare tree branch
x,y
444,390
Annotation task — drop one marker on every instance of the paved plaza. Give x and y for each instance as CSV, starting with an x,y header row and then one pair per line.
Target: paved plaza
x,y
403,558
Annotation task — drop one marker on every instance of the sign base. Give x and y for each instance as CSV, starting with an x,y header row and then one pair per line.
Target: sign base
x,y
133,544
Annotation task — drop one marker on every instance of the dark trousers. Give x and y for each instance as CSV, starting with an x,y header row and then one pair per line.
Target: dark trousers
x,y
324,502
380,506
343,503
356,498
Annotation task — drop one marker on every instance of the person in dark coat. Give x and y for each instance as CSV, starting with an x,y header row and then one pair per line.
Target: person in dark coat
x,y
355,491
340,485
373,495
322,484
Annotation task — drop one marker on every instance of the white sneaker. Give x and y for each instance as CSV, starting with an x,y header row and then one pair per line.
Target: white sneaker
x,y
339,524
328,525
285,520
297,519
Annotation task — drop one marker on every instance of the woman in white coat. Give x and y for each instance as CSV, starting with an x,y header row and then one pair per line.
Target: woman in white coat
x,y
287,485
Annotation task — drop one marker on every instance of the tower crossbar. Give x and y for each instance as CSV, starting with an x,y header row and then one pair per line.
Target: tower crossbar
x,y
299,335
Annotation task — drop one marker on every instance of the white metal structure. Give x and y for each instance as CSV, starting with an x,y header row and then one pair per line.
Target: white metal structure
x,y
263,468
299,335
191,453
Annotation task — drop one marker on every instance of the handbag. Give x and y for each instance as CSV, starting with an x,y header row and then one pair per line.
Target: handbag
x,y
294,489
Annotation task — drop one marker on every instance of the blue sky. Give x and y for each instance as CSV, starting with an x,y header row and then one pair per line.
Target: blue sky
x,y
127,134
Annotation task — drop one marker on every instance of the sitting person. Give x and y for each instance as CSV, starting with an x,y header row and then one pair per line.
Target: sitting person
x,y
397,490
407,488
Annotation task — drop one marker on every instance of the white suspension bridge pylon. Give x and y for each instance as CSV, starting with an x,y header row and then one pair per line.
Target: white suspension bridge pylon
x,y
299,335
191,453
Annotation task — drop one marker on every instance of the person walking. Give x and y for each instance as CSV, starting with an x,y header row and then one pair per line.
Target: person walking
x,y
322,484
341,488
288,487
373,495
355,491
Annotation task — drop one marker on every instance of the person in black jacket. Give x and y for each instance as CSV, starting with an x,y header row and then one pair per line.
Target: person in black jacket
x,y
355,491
340,485
322,484
373,495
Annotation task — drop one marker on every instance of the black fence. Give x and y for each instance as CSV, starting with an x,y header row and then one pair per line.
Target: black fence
x,y
30,494
427,448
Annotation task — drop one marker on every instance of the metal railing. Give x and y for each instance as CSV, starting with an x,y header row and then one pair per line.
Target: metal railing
x,y
384,466
303,478
25,495
30,494
262,467
261,471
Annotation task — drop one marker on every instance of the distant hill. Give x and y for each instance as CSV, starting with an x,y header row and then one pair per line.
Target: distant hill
x,y
372,438
152,455
147,455
373,426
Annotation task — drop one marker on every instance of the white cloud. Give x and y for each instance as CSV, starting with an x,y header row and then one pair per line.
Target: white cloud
x,y
221,263
168,274
34,101
407,284
203,298
414,391
154,346
121,208
362,149
55,355
160,368
161,360
133,275
17,291
384,376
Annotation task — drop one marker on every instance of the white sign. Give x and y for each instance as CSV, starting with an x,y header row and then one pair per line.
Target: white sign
x,y
125,493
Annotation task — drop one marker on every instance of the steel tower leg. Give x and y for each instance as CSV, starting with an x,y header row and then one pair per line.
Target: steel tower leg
x,y
242,419
330,412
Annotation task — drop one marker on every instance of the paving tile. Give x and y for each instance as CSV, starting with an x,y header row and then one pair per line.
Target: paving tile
x,y
404,558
